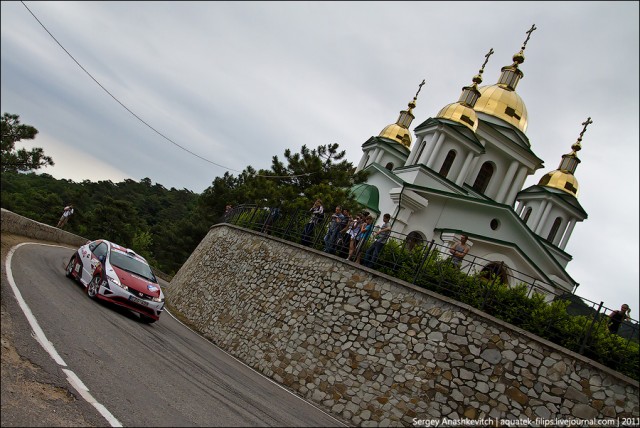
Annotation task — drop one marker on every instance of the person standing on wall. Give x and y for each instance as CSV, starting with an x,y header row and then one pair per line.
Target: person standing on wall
x,y
365,232
68,212
342,245
459,250
317,212
382,236
352,231
333,230
616,318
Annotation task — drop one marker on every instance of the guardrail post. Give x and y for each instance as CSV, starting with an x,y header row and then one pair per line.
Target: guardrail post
x,y
586,336
424,259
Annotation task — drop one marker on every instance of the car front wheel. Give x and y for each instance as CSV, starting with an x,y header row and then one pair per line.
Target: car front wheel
x,y
94,287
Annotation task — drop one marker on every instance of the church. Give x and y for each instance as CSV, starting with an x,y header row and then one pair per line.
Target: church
x,y
464,175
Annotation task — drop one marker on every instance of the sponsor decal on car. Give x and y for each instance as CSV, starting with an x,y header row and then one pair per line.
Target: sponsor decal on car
x,y
152,288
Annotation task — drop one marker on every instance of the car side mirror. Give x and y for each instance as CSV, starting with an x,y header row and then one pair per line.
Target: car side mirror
x,y
102,258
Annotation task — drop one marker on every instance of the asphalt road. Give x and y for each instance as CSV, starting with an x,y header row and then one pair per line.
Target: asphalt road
x,y
161,374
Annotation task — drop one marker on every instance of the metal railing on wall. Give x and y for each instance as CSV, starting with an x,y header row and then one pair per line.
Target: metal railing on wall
x,y
489,286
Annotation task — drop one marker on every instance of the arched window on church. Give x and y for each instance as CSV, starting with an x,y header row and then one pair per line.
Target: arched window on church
x,y
527,213
484,175
448,161
554,229
495,271
389,166
413,239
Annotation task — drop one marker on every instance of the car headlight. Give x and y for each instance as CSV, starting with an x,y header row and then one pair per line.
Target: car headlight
x,y
116,281
158,299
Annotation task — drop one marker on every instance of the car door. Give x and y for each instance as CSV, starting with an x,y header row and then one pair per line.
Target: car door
x,y
91,259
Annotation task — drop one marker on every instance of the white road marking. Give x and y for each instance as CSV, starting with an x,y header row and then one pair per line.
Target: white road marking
x,y
40,337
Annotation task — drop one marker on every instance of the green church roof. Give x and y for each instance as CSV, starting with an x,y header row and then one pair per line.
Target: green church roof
x,y
367,195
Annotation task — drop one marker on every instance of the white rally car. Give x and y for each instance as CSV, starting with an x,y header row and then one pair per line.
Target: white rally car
x,y
117,274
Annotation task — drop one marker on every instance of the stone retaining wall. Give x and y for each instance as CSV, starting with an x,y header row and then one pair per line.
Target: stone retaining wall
x,y
23,226
378,351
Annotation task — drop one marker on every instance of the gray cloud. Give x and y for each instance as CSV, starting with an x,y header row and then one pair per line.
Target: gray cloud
x,y
239,82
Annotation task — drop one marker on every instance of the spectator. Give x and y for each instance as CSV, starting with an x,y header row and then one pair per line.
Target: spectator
x,y
459,250
68,212
274,214
227,212
382,236
618,317
365,231
317,213
333,230
353,230
342,245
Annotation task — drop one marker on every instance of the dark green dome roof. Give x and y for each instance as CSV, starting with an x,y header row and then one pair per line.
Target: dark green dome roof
x,y
367,195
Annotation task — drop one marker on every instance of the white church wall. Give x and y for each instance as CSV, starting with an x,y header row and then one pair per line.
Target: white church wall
x,y
447,146
556,212
474,219
456,215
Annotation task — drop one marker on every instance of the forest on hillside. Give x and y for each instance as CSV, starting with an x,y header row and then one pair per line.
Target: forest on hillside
x,y
166,225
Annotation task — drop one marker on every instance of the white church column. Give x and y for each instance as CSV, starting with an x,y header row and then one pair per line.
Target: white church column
x,y
518,182
538,214
415,152
435,152
520,208
363,161
379,154
430,146
465,169
543,219
472,167
567,233
507,181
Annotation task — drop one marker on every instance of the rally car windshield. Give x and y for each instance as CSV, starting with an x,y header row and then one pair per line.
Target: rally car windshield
x,y
132,265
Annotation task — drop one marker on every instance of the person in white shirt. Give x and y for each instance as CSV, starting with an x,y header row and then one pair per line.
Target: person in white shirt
x,y
68,211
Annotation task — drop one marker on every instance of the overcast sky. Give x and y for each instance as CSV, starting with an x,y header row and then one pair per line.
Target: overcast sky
x,y
236,83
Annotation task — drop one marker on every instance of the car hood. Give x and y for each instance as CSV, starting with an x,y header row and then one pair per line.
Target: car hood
x,y
137,283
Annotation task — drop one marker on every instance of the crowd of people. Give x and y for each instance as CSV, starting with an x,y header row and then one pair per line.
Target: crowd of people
x,y
347,234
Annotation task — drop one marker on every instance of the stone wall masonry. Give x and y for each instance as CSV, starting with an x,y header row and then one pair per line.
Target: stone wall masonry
x,y
23,226
377,351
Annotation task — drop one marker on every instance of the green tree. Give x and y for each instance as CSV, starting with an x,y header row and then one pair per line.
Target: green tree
x,y
20,160
312,173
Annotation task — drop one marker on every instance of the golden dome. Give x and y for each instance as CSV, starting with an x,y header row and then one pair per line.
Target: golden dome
x,y
462,111
561,180
397,133
504,104
461,114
